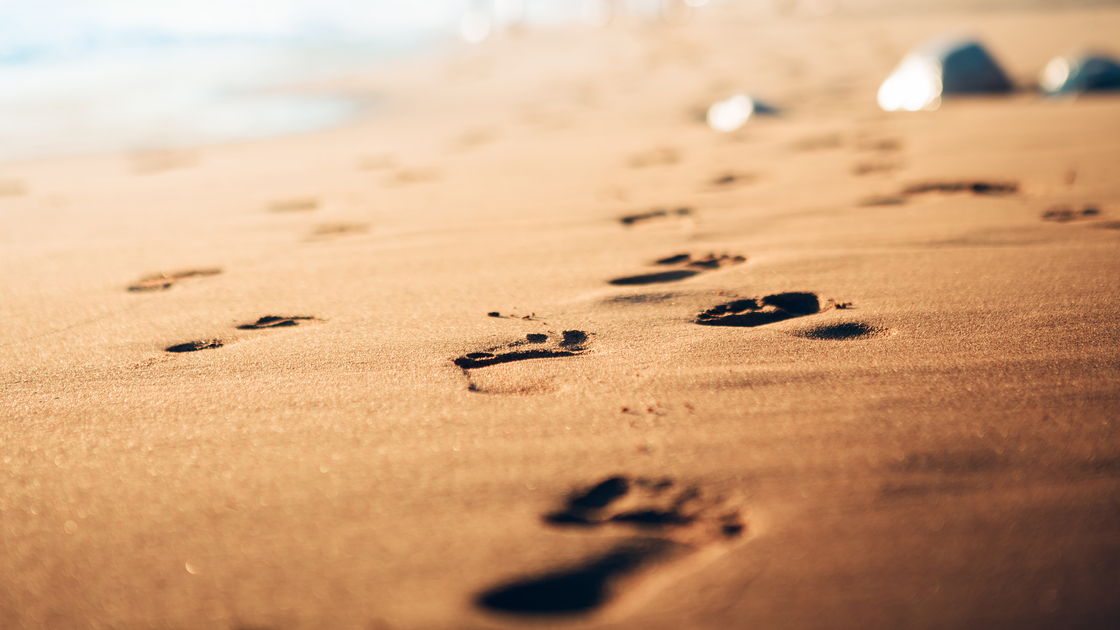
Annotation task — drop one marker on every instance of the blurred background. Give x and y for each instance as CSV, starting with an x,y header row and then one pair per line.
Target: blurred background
x,y
79,76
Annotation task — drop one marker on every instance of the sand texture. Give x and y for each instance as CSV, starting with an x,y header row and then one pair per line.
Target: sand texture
x,y
531,346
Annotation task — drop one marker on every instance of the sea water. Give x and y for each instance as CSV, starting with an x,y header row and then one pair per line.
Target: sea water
x,y
80,76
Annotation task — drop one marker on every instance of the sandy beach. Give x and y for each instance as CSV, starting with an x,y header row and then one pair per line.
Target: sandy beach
x,y
532,346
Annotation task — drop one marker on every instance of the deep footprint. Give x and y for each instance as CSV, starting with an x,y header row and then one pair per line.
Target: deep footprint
x,y
195,346
655,214
535,346
974,187
752,312
671,522
164,281
688,267
276,321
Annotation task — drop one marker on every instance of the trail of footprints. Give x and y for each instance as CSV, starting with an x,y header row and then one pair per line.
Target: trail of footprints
x,y
667,523
266,322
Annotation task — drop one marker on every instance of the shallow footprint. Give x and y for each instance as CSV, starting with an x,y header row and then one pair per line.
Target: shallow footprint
x,y
686,267
164,281
277,321
1065,214
535,346
750,312
671,523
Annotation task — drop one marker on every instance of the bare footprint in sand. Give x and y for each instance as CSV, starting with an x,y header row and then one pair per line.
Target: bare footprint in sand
x,y
684,266
195,346
164,281
295,204
733,179
331,230
654,215
750,312
515,379
1065,213
278,321
268,321
670,528
572,343
976,187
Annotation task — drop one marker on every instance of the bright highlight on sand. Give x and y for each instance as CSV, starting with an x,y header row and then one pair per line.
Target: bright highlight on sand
x,y
913,86
730,114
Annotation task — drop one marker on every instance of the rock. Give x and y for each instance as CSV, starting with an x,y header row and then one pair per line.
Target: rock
x,y
1081,72
943,66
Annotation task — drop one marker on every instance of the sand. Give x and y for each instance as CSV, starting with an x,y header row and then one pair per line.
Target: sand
x,y
898,411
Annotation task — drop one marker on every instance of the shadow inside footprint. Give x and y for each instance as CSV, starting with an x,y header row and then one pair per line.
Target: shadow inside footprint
x,y
690,267
761,311
195,346
672,522
844,331
1065,214
974,187
655,278
659,213
579,589
573,343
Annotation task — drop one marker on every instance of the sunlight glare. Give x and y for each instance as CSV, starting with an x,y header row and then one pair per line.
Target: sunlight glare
x,y
730,114
914,85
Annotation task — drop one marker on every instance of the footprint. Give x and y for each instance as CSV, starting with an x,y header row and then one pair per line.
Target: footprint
x,y
299,204
1065,214
844,331
164,281
750,312
734,179
654,214
195,346
882,200
687,268
669,526
975,187
277,321
874,168
327,230
535,346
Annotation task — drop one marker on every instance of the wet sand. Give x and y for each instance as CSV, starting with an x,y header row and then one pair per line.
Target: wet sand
x,y
535,347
